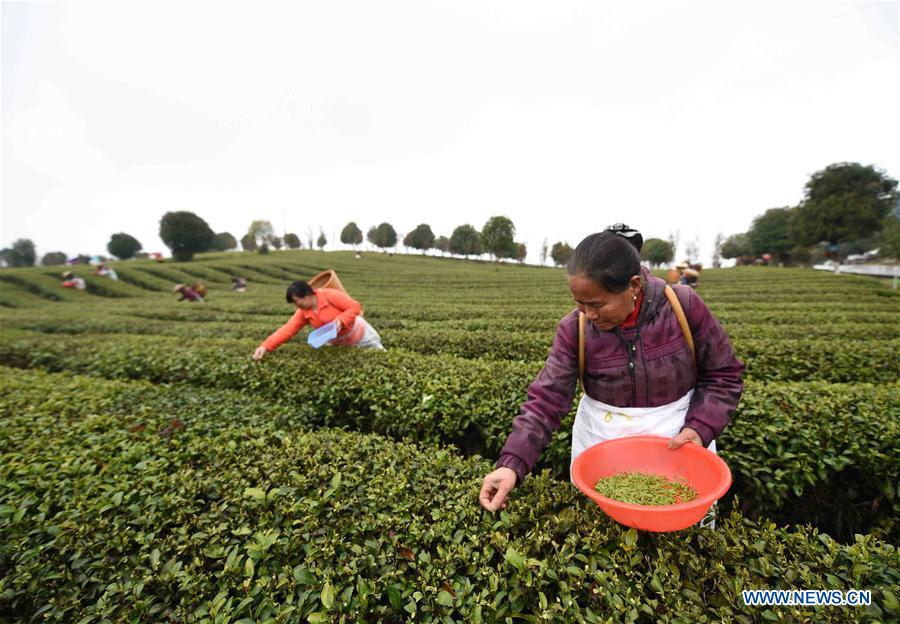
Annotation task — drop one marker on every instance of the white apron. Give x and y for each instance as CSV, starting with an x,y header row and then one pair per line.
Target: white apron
x,y
363,336
597,422
370,339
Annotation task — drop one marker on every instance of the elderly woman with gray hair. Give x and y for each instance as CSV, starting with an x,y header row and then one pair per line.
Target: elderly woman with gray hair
x,y
652,359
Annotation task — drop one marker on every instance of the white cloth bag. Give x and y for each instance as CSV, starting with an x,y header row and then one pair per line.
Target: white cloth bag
x,y
369,340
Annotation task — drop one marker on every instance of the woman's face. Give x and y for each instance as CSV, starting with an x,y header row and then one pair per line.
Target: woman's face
x,y
305,303
604,309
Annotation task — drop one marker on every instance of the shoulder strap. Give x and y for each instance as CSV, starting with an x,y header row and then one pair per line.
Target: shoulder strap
x,y
682,320
329,301
581,320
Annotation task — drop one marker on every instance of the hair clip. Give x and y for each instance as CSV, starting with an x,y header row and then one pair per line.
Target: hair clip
x,y
623,230
630,234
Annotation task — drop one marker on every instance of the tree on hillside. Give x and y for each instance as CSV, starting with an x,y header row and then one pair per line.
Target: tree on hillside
x,y
674,237
521,252
407,240
351,235
9,258
123,246
497,237
185,234
561,253
692,250
889,237
292,241
383,236
443,244
844,201
737,246
224,242
801,255
770,233
466,241
262,232
717,250
544,251
53,258
656,251
322,241
248,243
421,238
20,254
277,242
24,247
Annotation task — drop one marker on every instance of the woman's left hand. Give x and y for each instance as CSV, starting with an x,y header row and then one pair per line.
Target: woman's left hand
x,y
338,325
687,435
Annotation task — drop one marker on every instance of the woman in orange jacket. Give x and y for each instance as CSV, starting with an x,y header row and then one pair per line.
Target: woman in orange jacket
x,y
319,307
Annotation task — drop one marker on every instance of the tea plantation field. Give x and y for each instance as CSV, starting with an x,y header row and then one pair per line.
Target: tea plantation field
x,y
152,472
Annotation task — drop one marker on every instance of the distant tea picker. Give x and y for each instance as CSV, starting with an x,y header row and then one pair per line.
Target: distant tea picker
x,y
319,306
70,280
193,293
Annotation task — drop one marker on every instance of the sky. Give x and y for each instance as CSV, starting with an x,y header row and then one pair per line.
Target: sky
x,y
674,117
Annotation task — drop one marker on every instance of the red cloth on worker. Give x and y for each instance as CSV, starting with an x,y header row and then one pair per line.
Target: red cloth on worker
x,y
631,320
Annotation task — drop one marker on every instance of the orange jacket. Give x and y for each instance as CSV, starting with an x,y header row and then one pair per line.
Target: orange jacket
x,y
331,304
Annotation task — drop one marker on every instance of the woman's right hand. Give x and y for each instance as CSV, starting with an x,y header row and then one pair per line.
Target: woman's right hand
x,y
260,353
497,485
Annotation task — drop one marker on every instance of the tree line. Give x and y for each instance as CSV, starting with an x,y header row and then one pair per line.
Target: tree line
x,y
187,234
496,238
846,208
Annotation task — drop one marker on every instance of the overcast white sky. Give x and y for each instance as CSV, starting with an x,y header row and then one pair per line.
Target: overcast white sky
x,y
563,116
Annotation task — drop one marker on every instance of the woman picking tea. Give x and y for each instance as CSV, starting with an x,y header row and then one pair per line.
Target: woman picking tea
x,y
316,307
644,372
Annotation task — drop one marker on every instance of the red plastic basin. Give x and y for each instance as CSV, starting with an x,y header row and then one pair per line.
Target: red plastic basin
x,y
704,471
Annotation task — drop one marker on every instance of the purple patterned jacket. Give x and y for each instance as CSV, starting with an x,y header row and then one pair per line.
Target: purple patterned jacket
x,y
646,366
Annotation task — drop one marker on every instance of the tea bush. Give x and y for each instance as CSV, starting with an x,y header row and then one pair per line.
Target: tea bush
x,y
110,511
836,359
797,451
182,482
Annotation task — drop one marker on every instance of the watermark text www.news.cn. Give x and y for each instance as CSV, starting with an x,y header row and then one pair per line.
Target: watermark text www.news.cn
x,y
807,597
